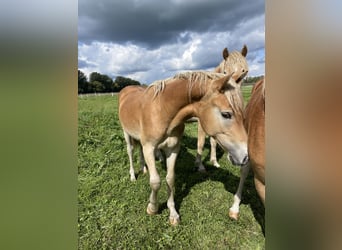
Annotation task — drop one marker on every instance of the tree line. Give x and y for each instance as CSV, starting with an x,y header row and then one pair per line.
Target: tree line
x,y
99,83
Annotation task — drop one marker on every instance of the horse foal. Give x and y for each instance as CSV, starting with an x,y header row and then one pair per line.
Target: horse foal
x,y
155,116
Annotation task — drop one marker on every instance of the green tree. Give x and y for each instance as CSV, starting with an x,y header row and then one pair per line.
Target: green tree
x,y
97,86
103,83
82,82
121,82
105,80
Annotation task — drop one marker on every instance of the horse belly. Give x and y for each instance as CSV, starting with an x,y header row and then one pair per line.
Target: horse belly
x,y
130,124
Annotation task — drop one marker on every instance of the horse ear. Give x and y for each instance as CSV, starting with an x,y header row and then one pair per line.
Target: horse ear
x,y
225,53
223,84
244,50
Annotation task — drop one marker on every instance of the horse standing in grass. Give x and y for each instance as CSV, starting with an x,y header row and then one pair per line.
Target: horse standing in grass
x,y
255,126
155,116
234,63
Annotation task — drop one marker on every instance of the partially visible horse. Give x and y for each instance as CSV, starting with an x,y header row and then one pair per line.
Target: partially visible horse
x,y
234,63
255,126
155,116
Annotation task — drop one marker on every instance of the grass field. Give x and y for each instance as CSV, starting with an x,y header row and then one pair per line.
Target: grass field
x,y
112,209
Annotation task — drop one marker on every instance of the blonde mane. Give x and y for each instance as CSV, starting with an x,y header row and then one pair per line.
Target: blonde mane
x,y
235,100
200,77
234,96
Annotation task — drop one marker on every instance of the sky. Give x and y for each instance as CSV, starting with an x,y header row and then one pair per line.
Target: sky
x,y
148,40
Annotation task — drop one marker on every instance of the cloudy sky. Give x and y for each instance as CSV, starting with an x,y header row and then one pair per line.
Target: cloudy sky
x,y
147,40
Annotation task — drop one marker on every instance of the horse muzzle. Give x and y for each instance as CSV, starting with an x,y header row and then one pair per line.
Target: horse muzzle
x,y
236,162
238,153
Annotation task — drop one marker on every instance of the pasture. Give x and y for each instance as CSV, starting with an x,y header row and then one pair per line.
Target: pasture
x,y
112,209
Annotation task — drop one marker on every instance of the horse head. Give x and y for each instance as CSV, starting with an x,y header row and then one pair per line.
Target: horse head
x,y
221,115
234,62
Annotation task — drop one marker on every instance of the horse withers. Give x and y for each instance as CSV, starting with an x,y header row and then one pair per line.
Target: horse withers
x,y
155,116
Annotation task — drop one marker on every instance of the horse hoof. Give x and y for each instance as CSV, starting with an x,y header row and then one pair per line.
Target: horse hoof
x,y
133,179
174,221
150,211
145,170
233,215
215,163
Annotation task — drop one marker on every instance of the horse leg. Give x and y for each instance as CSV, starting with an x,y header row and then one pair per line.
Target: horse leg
x,y
129,143
234,210
260,187
213,158
171,154
148,150
142,160
143,165
200,144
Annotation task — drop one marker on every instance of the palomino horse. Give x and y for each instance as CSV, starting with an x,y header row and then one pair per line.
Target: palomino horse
x,y
233,63
255,126
155,116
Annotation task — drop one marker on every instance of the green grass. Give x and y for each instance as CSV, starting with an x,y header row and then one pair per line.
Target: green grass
x,y
246,92
112,209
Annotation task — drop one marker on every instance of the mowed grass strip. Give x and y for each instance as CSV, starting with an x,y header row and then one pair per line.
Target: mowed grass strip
x,y
112,209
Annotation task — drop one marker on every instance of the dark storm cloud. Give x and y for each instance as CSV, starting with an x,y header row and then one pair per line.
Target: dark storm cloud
x,y
150,39
153,23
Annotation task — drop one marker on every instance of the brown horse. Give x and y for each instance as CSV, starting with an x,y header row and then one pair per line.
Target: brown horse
x,y
234,63
255,126
155,116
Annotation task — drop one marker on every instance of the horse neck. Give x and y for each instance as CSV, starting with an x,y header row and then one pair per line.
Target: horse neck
x,y
181,101
181,93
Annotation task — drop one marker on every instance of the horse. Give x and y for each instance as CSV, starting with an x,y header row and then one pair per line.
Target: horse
x,y
255,126
155,117
254,123
233,63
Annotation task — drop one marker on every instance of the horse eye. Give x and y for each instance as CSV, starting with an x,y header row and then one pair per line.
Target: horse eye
x,y
225,72
226,115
